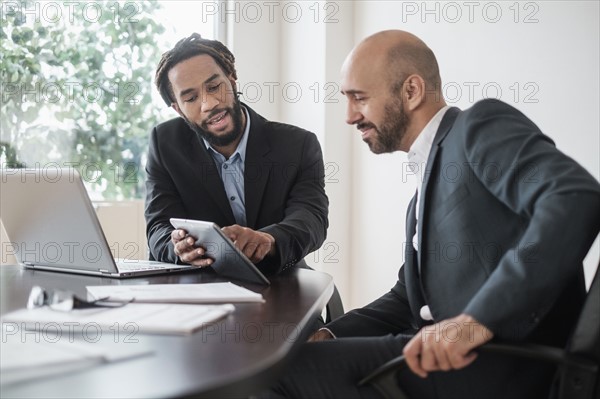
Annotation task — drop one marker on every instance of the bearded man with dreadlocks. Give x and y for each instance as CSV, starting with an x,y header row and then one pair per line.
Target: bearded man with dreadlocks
x,y
220,161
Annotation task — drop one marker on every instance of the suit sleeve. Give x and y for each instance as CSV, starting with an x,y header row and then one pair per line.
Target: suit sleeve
x,y
558,201
162,200
304,226
390,314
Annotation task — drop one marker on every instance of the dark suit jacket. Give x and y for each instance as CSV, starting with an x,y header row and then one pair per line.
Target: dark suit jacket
x,y
506,220
284,188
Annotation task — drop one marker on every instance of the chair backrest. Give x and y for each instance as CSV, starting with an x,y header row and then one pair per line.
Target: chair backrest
x,y
585,340
579,379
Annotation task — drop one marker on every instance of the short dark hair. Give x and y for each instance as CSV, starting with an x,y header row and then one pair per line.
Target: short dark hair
x,y
186,48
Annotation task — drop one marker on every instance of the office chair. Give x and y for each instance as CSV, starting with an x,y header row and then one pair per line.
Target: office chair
x,y
578,364
334,307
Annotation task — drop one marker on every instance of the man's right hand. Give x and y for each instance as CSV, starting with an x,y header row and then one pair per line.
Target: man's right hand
x,y
187,251
321,335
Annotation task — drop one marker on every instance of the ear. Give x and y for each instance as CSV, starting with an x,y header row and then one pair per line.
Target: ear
x,y
414,91
175,106
233,84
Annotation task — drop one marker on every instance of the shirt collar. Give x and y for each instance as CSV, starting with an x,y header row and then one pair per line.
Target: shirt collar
x,y
420,149
241,148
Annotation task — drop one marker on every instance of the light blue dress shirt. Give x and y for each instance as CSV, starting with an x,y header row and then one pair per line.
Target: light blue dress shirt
x,y
232,173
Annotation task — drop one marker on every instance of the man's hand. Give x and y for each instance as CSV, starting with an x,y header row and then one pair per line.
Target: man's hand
x,y
446,345
321,335
187,251
254,244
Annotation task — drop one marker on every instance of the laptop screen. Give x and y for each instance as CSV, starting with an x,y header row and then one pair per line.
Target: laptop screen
x,y
50,220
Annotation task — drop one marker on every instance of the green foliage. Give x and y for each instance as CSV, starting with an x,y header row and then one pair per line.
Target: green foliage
x,y
76,89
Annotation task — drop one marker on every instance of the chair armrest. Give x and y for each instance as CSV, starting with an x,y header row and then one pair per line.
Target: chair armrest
x,y
548,354
544,353
391,366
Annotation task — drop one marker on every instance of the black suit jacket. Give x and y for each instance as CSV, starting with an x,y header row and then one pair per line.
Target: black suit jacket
x,y
284,188
505,222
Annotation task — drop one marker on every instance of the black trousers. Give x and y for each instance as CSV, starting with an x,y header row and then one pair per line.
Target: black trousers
x,y
332,369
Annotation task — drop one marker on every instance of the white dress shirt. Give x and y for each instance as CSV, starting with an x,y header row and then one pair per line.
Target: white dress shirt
x,y
417,158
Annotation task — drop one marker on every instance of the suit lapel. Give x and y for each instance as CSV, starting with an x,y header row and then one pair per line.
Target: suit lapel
x,y
257,167
411,273
445,126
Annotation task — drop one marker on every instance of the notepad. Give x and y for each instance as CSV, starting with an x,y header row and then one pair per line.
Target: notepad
x,y
175,293
135,317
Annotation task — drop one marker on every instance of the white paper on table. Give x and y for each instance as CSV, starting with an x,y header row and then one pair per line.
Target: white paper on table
x,y
132,318
26,356
175,293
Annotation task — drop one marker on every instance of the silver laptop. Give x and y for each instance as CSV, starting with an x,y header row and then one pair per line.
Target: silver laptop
x,y
51,225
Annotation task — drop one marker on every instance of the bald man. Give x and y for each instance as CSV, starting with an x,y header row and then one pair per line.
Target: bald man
x,y
519,215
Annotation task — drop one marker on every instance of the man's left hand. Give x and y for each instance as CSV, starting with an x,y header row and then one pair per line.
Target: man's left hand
x,y
254,244
447,345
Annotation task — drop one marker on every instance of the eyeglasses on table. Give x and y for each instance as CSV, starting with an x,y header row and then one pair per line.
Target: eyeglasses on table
x,y
65,301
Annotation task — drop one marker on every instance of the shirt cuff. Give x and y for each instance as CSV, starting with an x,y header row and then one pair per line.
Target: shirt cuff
x,y
425,313
329,331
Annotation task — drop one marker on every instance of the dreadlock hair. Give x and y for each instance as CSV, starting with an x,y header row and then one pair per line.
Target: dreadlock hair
x,y
186,48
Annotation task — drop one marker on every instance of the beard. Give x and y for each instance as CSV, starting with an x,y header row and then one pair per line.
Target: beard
x,y
221,140
392,130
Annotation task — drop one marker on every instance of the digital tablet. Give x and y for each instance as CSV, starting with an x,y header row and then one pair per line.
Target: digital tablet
x,y
228,260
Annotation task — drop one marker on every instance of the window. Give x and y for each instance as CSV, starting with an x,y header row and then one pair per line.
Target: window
x,y
77,85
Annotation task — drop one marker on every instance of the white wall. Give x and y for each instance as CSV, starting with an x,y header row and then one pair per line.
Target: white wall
x,y
543,56
124,227
7,251
300,49
315,47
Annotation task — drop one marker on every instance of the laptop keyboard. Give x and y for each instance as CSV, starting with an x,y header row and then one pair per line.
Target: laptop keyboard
x,y
133,266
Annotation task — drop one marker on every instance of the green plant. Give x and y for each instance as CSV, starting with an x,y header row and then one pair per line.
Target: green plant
x,y
76,89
